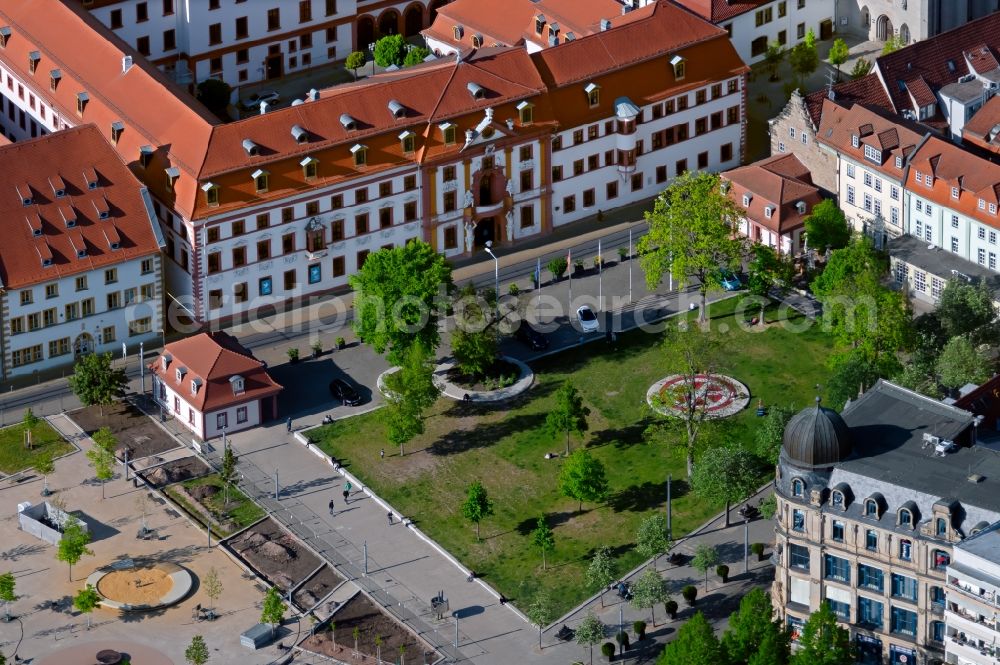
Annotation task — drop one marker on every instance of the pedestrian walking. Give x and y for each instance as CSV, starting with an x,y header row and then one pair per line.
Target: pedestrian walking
x,y
389,515
331,506
347,492
381,453
288,424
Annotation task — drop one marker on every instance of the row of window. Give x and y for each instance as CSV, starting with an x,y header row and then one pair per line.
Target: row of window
x,y
27,296
116,16
76,310
760,43
63,346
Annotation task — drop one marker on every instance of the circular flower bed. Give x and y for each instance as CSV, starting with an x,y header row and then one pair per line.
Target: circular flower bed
x,y
719,395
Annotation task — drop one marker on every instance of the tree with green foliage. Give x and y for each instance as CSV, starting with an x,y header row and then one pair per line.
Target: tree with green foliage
x,y
557,267
86,600
415,56
227,472
543,539
751,628
95,382
804,60
695,644
810,38
7,592
838,55
967,309
727,474
73,544
102,456
477,505
568,414
862,66
823,642
774,649
273,609
196,652
215,95
355,61
397,296
961,362
29,422
390,50
583,478
651,537
474,342
826,227
649,591
212,586
590,632
893,44
773,58
850,373
768,271
410,391
601,571
45,465
691,234
770,433
540,612
705,559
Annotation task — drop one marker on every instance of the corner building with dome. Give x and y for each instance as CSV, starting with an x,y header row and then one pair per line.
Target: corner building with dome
x,y
890,512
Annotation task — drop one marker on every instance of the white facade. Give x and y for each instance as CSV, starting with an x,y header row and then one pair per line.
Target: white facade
x,y
22,114
51,323
911,20
787,244
953,231
973,603
873,202
784,21
208,425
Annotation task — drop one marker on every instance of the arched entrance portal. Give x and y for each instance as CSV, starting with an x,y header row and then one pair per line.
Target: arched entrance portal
x,y
485,231
883,28
388,23
83,344
413,21
366,32
904,34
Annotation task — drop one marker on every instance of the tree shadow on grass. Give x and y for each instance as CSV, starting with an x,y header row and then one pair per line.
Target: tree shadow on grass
x,y
622,437
484,434
639,498
526,526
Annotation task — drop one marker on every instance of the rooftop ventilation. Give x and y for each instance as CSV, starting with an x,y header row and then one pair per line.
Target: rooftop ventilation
x,y
975,478
126,63
570,36
312,95
298,102
264,108
68,216
58,186
396,109
477,91
348,122
299,134
90,177
24,192
102,208
251,148
605,24
34,224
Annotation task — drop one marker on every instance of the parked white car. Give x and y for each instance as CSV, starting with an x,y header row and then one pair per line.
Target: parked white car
x,y
588,320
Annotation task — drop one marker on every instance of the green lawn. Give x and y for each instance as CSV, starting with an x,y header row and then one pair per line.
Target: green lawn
x,y
504,447
14,456
241,511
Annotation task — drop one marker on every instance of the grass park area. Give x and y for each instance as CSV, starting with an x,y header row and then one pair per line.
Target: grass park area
x,y
15,456
228,518
504,447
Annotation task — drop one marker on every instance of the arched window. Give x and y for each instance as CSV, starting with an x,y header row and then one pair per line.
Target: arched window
x,y
905,517
798,487
871,508
837,499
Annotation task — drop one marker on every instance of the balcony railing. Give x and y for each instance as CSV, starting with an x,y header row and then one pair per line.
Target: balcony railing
x,y
982,596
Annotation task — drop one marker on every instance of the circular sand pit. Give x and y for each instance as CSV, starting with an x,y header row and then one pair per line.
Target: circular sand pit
x,y
129,586
717,395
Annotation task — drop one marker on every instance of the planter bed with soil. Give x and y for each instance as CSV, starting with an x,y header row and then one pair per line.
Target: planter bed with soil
x,y
274,554
316,588
133,429
362,613
203,498
499,375
175,471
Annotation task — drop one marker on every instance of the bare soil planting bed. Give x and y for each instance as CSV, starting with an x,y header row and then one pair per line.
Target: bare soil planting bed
x,y
175,471
133,429
275,554
361,612
316,588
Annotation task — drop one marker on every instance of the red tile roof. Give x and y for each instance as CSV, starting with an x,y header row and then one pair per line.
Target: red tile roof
x,y
35,169
866,90
981,59
214,358
895,139
779,182
983,129
974,177
721,10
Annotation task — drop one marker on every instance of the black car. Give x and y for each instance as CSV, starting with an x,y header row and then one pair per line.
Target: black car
x,y
531,338
345,392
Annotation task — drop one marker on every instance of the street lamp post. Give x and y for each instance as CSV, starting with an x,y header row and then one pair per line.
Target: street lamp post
x,y
496,277
746,544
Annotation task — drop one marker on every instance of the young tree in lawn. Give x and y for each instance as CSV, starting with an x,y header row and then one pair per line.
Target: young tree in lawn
x,y
648,591
695,644
213,586
810,39
73,544
651,537
415,56
750,629
691,234
582,477
862,67
590,632
540,612
45,465
961,362
29,422
86,600
227,472
390,50
692,354
477,505
95,381
543,539
355,61
7,592
839,53
273,610
397,296
601,571
568,414
826,227
705,559
725,474
411,391
197,652
102,456
823,642
772,59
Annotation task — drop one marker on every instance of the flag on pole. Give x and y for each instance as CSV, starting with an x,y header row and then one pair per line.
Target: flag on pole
x,y
600,263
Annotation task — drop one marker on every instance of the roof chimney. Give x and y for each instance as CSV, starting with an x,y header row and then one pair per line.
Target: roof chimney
x,y
126,63
264,107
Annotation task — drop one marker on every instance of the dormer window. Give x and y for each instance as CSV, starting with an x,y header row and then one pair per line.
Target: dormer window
x,y
871,508
408,141
837,499
873,154
396,109
457,31
81,102
195,383
982,204
993,208
477,91
251,148
593,94
117,127
954,192
4,36
798,487
54,76
360,153
310,168
237,384
172,174
680,67
300,134
447,133
855,141
179,373
746,200
800,206
539,24
477,40
261,180
526,113
165,361
899,162
145,155
211,194
33,59
905,517
768,211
